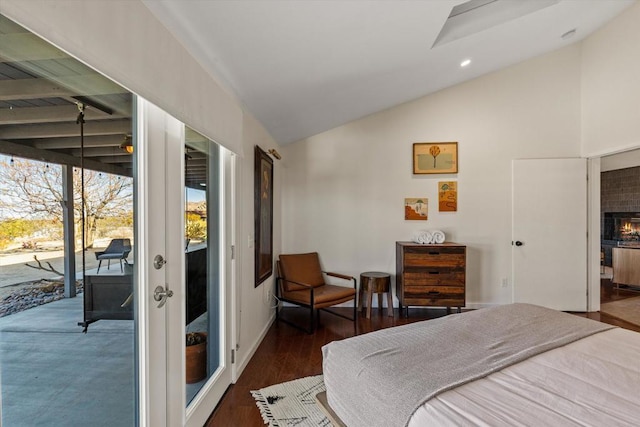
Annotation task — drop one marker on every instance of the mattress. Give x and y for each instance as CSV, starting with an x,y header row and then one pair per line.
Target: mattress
x,y
591,382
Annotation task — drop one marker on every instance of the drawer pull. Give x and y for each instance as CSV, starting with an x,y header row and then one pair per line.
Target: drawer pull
x,y
434,272
433,293
434,253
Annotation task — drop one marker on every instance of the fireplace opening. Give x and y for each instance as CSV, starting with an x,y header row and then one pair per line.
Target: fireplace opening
x,y
621,226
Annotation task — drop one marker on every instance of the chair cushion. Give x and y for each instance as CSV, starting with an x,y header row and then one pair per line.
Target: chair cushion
x,y
324,296
303,268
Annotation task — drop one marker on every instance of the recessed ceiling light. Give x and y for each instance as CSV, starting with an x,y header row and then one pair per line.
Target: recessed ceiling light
x,y
465,63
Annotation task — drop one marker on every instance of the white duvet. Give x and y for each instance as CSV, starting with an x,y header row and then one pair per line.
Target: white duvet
x,y
592,382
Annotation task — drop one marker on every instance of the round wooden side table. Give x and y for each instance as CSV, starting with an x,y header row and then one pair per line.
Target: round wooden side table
x,y
375,282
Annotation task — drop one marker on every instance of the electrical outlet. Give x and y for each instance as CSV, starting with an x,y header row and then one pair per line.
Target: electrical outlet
x,y
505,282
250,242
269,295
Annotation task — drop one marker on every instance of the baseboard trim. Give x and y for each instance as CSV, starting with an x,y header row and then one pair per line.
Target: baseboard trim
x,y
240,366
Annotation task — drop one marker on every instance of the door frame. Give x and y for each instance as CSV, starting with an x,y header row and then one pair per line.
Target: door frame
x,y
593,234
594,212
149,193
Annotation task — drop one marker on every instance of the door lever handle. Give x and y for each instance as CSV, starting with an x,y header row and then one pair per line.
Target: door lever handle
x,y
518,243
161,294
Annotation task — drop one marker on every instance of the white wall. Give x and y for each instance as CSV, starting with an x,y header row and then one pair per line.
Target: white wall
x,y
123,40
627,159
611,86
256,312
345,188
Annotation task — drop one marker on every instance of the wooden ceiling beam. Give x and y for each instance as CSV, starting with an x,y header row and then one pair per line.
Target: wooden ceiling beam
x,y
113,150
19,47
51,130
60,113
20,150
114,159
85,85
74,142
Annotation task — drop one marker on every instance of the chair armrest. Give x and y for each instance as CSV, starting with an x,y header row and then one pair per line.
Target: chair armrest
x,y
341,276
338,275
297,283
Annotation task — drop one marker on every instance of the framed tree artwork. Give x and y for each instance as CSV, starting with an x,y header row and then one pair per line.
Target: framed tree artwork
x,y
435,157
263,212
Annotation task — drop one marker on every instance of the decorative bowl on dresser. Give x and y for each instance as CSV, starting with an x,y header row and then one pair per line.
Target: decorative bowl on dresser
x,y
430,275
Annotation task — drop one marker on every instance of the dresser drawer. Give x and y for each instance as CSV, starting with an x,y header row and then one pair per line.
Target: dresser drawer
x,y
434,291
434,295
434,276
434,257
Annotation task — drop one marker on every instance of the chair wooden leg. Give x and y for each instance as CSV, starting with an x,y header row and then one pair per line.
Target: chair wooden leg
x,y
389,304
369,301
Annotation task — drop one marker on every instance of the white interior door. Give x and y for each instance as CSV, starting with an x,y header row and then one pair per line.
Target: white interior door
x,y
550,233
161,232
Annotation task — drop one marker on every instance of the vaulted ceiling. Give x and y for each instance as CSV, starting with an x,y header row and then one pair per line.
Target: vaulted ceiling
x,y
303,67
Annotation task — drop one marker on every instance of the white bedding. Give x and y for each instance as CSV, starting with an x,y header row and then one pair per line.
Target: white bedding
x,y
383,377
592,382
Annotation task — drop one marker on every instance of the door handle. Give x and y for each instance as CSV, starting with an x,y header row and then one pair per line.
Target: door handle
x,y
161,294
518,243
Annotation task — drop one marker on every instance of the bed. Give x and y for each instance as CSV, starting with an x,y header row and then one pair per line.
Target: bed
x,y
517,364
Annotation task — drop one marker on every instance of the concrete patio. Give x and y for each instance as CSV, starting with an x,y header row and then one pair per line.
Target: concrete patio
x,y
54,375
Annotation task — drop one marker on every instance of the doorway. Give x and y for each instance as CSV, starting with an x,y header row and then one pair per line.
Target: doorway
x,y
620,235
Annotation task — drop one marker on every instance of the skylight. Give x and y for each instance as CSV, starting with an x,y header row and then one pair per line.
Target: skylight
x,y
478,15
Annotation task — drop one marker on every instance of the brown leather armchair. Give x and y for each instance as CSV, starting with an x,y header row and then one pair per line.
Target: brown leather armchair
x,y
300,281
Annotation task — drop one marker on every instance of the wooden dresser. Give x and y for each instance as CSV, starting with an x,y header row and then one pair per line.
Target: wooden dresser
x,y
430,275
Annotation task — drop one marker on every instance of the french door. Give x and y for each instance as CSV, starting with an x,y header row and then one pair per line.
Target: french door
x,y
183,228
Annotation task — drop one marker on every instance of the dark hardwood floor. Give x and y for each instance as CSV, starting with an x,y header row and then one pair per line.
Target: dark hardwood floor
x,y
287,353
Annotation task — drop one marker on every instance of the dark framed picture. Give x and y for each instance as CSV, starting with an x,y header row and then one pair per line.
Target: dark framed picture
x,y
263,208
435,157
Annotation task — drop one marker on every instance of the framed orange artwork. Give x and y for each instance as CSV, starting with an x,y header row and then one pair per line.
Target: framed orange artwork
x,y
435,157
416,209
448,196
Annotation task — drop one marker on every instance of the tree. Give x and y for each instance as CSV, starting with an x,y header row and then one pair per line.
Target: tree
x,y
33,190
196,227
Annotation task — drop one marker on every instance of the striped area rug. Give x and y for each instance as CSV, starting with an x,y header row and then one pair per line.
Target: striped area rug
x,y
292,403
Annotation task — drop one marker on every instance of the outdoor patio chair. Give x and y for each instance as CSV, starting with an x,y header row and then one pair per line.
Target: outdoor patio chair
x,y
118,249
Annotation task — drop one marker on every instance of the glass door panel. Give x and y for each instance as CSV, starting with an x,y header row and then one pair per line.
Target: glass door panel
x,y
202,253
67,209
